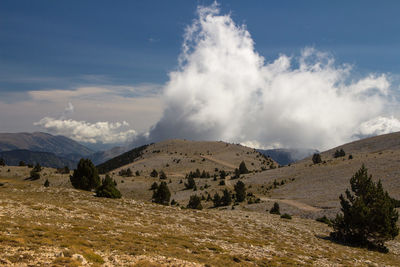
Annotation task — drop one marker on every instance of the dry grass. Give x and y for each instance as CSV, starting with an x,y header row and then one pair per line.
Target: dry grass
x,y
51,226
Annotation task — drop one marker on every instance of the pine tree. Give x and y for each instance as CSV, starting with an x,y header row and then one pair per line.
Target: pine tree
x,y
242,168
162,194
195,203
226,199
316,158
217,200
86,176
275,209
108,188
154,173
163,176
191,184
154,186
240,190
368,215
46,183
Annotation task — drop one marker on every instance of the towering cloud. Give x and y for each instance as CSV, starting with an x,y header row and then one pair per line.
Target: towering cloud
x,y
223,89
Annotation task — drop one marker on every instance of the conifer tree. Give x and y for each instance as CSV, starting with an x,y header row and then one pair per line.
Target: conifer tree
x,y
240,190
108,188
195,203
368,215
162,194
242,168
86,176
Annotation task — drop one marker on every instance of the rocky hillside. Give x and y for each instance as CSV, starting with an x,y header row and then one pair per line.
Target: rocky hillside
x,y
59,226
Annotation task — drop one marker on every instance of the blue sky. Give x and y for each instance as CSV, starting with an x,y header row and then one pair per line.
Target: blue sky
x,y
123,51
46,44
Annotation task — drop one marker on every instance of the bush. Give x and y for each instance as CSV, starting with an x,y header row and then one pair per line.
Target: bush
x,y
46,183
108,188
286,216
240,190
86,176
162,194
275,209
368,215
316,158
195,203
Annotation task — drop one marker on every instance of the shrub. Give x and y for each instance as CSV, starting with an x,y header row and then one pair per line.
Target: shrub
x,y
195,203
137,173
46,183
108,188
275,209
240,190
154,173
162,194
85,176
242,168
316,158
368,215
286,216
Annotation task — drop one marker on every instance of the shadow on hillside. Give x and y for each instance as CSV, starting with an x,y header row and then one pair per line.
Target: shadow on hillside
x,y
371,247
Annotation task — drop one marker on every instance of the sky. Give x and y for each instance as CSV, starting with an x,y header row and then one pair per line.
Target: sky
x,y
309,74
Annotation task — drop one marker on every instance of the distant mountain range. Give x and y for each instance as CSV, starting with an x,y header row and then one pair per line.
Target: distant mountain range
x,y
43,148
46,159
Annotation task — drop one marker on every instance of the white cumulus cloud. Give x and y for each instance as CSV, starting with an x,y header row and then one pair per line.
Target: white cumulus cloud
x,y
224,90
81,131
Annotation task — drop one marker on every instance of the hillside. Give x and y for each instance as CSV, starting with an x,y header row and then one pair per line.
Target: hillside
x,y
61,226
316,187
44,142
45,159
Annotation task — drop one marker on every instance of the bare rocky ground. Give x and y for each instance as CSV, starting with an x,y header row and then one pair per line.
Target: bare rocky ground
x,y
59,226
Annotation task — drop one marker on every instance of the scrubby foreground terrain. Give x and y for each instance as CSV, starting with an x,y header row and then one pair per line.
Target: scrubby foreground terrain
x,y
62,226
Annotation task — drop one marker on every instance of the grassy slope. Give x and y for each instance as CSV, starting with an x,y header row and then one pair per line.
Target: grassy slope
x,y
49,225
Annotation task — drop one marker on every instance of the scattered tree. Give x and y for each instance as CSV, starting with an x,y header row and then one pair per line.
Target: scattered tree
x,y
240,190
275,209
154,173
163,176
339,153
85,176
226,199
195,203
162,194
154,186
108,188
191,184
242,168
368,215
316,158
217,200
